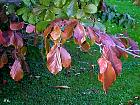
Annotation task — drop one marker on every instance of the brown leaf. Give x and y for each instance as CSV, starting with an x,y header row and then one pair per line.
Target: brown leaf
x,y
4,58
85,46
108,77
2,40
65,57
55,34
47,45
60,87
16,71
54,60
48,30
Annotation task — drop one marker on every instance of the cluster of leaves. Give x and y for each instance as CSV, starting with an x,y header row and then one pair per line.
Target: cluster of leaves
x,y
11,44
109,13
112,48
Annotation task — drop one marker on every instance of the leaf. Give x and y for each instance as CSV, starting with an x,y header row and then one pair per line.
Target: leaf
x,y
60,87
65,57
54,60
85,46
72,8
30,28
100,26
16,71
68,31
102,64
16,25
21,11
91,34
79,34
40,26
4,58
111,56
55,34
45,2
16,40
27,2
48,30
2,40
90,8
47,45
60,3
108,76
32,18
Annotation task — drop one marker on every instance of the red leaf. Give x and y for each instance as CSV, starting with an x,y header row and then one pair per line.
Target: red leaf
x,y
68,31
108,76
54,60
55,34
79,34
30,28
16,25
111,56
16,71
66,58
2,40
91,34
16,40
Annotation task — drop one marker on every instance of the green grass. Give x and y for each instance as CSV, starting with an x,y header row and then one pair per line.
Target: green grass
x,y
85,89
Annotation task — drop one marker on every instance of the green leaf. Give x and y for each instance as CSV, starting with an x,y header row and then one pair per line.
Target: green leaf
x,y
72,8
27,2
100,26
22,11
45,2
80,14
49,16
87,22
40,26
32,19
91,8
25,16
59,3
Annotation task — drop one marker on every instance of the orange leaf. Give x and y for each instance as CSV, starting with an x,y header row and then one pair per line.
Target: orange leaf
x,y
55,34
1,64
16,25
85,46
16,71
54,60
68,31
48,30
107,77
66,58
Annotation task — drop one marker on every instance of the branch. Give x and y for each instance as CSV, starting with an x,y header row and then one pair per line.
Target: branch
x,y
128,51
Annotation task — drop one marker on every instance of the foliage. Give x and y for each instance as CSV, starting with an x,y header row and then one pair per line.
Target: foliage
x,y
67,19
109,13
12,48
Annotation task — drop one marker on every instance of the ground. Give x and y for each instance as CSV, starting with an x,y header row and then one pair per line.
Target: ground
x,y
85,89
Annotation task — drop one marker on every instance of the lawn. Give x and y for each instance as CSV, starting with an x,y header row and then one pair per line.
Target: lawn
x,y
85,89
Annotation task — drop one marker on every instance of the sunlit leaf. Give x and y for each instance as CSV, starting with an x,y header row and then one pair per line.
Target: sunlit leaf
x,y
54,60
108,76
55,34
16,71
40,26
65,57
90,8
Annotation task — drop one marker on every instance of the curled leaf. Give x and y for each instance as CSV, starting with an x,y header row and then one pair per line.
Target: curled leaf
x,y
16,71
85,46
